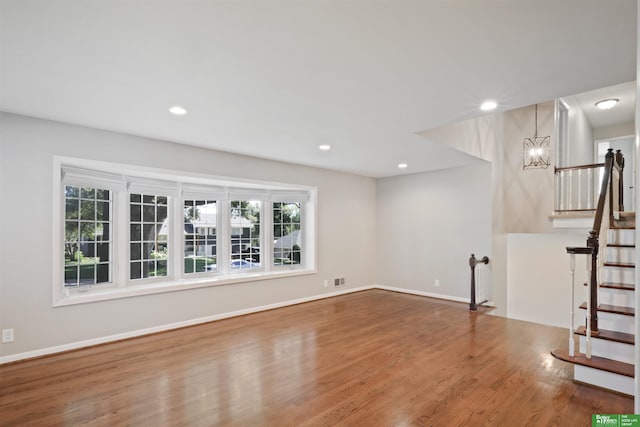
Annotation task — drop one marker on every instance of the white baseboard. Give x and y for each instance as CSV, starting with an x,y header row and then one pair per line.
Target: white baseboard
x,y
191,322
424,294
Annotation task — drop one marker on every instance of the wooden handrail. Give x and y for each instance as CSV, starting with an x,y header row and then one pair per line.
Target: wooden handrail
x,y
612,161
581,250
593,241
575,168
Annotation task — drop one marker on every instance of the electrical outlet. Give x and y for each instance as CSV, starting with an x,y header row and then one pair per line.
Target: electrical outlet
x,y
336,281
437,283
7,336
342,281
326,283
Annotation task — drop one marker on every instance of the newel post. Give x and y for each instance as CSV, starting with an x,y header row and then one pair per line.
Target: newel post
x,y
619,157
473,306
592,314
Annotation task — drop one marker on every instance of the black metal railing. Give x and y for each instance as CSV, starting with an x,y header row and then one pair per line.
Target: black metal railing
x,y
473,261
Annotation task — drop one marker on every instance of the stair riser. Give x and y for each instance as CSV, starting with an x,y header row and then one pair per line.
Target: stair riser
x,y
609,349
616,297
614,322
619,275
619,383
618,255
622,237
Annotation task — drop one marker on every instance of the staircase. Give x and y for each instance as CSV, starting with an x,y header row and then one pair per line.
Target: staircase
x,y
613,344
606,342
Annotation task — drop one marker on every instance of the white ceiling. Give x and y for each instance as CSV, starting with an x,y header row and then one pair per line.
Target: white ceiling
x,y
623,112
275,79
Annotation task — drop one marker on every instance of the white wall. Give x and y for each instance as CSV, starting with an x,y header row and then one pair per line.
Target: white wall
x,y
527,195
539,285
345,239
580,135
522,201
614,131
428,224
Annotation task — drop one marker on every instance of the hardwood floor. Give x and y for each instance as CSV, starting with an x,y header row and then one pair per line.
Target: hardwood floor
x,y
373,358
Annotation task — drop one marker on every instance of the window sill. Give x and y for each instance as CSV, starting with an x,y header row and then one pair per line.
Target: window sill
x,y
97,293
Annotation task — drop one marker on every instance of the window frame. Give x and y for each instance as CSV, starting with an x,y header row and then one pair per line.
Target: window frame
x,y
303,237
178,186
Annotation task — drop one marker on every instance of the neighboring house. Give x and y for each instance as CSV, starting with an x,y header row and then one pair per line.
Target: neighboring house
x,y
284,246
201,232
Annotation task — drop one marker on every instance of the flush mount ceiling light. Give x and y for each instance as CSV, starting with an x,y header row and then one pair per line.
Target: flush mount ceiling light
x,y
402,165
324,147
535,151
488,105
178,110
606,104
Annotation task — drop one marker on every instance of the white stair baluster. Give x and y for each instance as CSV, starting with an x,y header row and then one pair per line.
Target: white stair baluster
x,y
588,340
572,267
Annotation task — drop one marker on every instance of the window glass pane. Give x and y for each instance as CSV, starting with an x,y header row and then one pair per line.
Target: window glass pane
x,y
88,193
287,234
70,192
149,231
87,231
200,245
136,232
87,238
71,275
102,211
102,252
148,236
149,213
136,212
136,270
245,235
87,210
103,194
72,207
136,251
102,273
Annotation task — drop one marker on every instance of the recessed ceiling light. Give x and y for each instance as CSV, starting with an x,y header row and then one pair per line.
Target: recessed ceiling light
x,y
488,105
402,165
605,104
177,110
324,147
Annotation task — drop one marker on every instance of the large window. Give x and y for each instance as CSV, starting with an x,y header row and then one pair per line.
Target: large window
x,y
134,235
287,233
87,236
244,221
200,236
149,236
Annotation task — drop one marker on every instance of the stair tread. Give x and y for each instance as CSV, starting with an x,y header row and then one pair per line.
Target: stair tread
x,y
605,334
622,227
620,264
601,363
619,245
607,308
620,286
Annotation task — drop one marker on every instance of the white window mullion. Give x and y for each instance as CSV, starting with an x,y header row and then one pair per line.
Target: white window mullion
x,y
176,233
310,212
303,229
266,244
121,239
223,240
